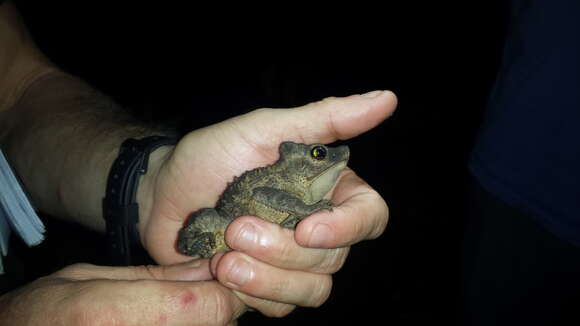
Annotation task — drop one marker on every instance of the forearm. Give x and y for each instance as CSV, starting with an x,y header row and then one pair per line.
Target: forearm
x,y
20,61
60,133
62,137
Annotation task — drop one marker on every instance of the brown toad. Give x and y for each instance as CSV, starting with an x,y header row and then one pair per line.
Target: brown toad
x,y
283,193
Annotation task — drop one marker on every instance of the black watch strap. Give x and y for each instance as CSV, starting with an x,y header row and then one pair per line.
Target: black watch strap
x,y
120,207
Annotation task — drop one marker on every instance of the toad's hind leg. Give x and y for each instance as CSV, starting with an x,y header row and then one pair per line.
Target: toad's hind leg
x,y
203,235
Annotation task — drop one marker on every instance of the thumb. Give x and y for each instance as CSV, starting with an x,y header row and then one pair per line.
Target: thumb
x,y
195,270
337,118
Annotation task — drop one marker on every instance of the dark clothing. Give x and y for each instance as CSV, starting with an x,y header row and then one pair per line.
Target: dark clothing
x,y
528,151
522,241
516,272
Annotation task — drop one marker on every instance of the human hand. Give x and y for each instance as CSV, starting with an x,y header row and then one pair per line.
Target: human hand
x,y
196,172
84,294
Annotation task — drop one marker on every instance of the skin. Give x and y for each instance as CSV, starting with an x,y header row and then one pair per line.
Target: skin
x,y
45,129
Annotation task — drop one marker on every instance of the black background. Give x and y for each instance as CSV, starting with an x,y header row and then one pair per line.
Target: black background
x,y
193,66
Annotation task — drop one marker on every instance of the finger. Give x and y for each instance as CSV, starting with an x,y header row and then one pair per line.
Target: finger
x,y
328,120
276,246
343,118
195,270
243,273
150,302
361,214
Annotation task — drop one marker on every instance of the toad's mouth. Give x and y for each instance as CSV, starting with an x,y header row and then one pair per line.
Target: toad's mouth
x,y
324,181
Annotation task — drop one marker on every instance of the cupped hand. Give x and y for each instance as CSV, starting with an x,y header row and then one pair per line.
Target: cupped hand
x,y
285,267
84,294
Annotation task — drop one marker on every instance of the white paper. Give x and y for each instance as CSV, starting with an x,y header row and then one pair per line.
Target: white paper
x,y
16,211
4,232
4,236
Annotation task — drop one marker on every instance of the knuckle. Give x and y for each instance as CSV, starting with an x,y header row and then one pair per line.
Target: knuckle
x,y
148,271
360,228
261,112
285,253
280,287
320,291
387,214
334,260
217,308
380,221
279,310
329,100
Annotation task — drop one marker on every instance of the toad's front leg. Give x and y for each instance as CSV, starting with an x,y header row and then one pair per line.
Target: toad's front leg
x,y
294,207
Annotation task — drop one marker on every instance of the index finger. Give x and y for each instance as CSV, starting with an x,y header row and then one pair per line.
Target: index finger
x,y
361,214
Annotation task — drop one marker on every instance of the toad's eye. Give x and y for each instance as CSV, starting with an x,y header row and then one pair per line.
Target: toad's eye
x,y
318,153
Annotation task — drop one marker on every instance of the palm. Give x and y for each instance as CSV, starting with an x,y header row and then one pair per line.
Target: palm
x,y
198,172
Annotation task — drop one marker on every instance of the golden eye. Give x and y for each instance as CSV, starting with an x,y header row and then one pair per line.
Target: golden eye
x,y
318,153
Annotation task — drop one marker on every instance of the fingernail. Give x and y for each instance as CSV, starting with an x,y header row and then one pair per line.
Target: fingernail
x,y
214,263
248,237
372,94
240,273
319,236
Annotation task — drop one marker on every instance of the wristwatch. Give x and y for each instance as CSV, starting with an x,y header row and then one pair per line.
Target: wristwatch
x,y
120,207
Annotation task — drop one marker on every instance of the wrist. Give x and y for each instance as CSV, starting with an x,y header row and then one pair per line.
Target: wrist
x,y
147,185
121,203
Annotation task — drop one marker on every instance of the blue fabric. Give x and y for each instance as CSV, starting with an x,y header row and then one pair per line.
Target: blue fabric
x,y
528,150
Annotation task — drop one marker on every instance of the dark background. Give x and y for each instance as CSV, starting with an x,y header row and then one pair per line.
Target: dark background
x,y
167,65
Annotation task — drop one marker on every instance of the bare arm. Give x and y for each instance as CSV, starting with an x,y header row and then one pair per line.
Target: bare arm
x,y
20,60
62,136
59,132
